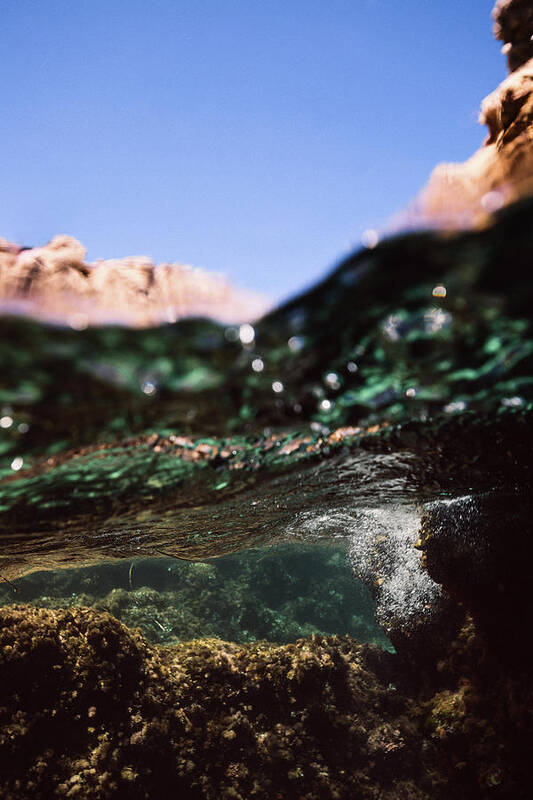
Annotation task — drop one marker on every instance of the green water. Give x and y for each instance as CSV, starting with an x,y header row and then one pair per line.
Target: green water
x,y
276,594
199,441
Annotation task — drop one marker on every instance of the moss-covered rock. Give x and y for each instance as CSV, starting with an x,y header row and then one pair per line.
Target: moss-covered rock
x,y
89,710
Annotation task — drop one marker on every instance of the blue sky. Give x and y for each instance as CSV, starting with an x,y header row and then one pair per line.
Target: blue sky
x,y
257,138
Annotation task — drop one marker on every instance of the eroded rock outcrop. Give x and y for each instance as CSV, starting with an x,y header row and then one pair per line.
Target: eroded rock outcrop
x,y
401,385
54,282
89,710
462,195
513,25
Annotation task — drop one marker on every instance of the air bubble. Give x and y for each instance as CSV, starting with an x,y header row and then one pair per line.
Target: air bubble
x,y
246,333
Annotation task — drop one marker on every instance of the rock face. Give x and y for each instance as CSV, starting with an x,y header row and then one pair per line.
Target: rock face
x,y
470,566
113,717
464,195
500,172
514,26
89,710
55,283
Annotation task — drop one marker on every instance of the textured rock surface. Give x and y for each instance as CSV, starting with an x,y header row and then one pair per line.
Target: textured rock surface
x,y
514,27
54,282
89,710
462,195
484,569
398,391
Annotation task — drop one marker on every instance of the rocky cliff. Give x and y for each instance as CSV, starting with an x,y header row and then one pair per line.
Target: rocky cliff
x,y
501,171
54,282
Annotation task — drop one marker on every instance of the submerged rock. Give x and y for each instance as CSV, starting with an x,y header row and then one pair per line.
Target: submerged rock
x,y
89,710
478,549
114,717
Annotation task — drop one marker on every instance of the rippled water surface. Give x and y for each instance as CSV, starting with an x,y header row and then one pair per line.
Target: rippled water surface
x,y
399,385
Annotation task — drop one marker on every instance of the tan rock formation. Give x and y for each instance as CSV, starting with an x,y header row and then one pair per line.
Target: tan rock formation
x,y
54,282
461,195
513,25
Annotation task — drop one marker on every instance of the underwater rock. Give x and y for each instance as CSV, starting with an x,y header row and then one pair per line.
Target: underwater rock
x,y
387,411
479,719
54,283
477,547
89,710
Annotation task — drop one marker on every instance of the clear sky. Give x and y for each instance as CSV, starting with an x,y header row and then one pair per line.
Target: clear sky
x,y
257,138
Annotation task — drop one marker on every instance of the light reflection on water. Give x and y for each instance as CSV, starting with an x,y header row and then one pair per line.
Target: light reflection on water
x,y
357,508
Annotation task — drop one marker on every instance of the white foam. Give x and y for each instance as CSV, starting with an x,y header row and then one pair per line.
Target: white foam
x,y
382,553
